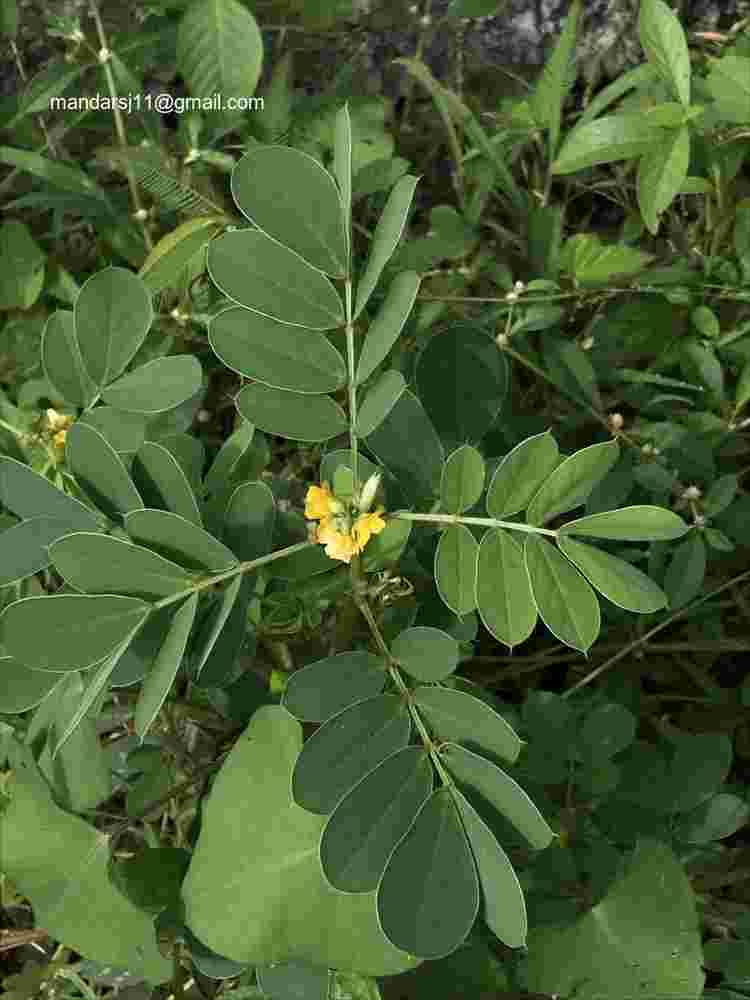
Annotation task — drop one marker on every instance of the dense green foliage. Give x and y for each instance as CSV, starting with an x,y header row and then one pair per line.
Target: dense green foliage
x,y
284,484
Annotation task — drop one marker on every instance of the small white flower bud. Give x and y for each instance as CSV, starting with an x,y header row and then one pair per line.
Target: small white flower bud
x,y
587,343
616,421
141,215
691,493
104,55
519,286
368,493
203,416
502,340
511,297
699,521
425,21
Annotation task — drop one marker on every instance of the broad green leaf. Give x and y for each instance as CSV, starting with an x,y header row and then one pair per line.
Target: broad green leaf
x,y
571,482
428,654
607,730
570,369
368,823
641,523
718,817
686,572
379,401
87,702
462,380
23,547
606,140
59,862
62,361
219,49
126,432
208,648
566,603
503,593
172,254
346,748
665,45
229,456
699,765
178,539
619,581
728,85
700,362
501,791
100,471
102,564
22,278
503,907
520,474
428,897
158,385
57,174
642,75
557,77
283,910
68,631
293,199
462,481
249,520
621,947
28,495
277,354
342,171
721,494
326,687
162,482
456,569
291,415
414,457
294,979
456,716
157,685
661,173
260,274
591,262
22,688
386,237
113,314
388,323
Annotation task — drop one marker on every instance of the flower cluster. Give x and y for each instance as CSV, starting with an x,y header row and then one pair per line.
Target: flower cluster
x,y
57,425
342,530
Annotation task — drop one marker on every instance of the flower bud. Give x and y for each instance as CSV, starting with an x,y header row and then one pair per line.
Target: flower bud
x,y
369,490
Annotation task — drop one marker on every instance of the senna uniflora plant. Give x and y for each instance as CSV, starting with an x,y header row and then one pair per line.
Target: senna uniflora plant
x,y
368,846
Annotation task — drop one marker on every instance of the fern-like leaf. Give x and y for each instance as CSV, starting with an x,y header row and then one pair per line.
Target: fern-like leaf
x,y
171,194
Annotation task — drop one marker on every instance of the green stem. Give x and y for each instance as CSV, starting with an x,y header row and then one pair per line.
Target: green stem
x,y
487,522
240,568
398,680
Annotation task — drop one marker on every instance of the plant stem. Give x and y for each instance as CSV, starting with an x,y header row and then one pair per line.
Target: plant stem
x,y
626,650
104,59
240,568
488,522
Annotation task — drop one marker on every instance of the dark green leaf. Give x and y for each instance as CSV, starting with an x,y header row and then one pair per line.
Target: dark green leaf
x,y
371,819
460,717
566,603
570,484
456,569
428,897
462,480
326,687
388,323
291,414
503,592
618,580
159,385
346,748
62,361
178,539
426,653
162,482
100,471
520,474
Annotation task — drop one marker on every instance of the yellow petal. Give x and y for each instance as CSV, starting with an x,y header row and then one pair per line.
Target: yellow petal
x,y
59,439
365,526
318,502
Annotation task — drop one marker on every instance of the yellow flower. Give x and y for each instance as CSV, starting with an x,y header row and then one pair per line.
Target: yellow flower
x,y
367,525
339,544
320,502
341,538
59,439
